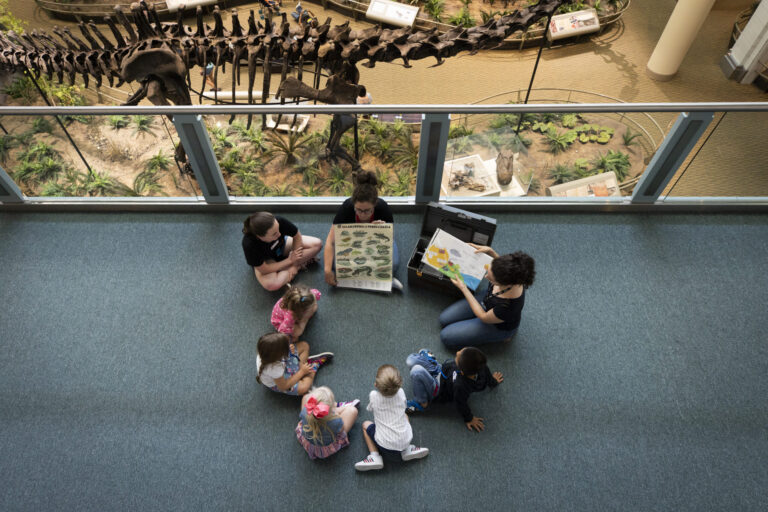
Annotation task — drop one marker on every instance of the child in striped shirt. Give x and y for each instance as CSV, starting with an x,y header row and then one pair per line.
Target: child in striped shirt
x,y
390,429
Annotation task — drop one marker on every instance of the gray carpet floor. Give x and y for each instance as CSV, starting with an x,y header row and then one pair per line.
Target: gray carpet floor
x,y
638,379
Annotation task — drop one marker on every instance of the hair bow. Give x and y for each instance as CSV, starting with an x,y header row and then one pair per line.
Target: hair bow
x,y
317,409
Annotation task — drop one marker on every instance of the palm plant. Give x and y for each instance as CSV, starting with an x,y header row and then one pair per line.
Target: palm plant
x,y
435,8
39,151
118,122
143,125
283,189
615,161
53,189
629,137
99,184
462,19
159,162
289,147
337,183
309,191
403,185
405,154
561,174
42,125
400,130
147,183
379,129
382,148
309,169
255,138
559,142
460,145
231,161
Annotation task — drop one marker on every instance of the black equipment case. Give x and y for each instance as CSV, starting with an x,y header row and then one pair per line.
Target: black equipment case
x,y
464,225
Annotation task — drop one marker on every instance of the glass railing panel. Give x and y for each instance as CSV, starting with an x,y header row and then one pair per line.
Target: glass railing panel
x,y
93,156
289,155
728,161
558,155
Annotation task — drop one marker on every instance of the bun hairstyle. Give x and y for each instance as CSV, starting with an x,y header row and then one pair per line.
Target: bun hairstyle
x,y
388,380
515,268
297,299
366,188
258,224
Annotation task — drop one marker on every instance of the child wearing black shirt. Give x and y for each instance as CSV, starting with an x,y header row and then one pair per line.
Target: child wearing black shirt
x,y
453,381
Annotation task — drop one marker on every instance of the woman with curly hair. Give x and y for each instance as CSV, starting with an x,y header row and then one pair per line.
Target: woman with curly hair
x,y
495,315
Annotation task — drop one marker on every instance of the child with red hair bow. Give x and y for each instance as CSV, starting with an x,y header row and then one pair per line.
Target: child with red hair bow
x,y
323,423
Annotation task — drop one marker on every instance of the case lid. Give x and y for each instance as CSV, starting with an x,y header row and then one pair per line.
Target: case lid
x,y
464,225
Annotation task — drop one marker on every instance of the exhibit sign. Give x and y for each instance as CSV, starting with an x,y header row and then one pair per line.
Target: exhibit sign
x,y
573,24
364,256
393,13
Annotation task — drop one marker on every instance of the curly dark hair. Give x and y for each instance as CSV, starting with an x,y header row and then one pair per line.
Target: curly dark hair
x,y
515,268
366,188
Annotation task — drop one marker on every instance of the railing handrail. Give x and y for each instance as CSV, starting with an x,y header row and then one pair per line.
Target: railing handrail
x,y
288,108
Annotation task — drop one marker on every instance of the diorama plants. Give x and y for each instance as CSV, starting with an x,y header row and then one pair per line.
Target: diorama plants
x,y
337,182
118,122
559,141
41,125
142,125
403,184
290,147
629,137
435,8
463,18
7,142
147,183
615,161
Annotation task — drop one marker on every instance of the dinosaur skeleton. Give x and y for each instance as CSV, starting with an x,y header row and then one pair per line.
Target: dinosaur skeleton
x,y
159,56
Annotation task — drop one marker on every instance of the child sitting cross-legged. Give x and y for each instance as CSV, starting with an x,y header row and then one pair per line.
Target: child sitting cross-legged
x,y
286,367
324,423
390,430
292,312
453,381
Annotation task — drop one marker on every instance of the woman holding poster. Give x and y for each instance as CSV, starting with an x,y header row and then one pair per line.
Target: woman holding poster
x,y
495,315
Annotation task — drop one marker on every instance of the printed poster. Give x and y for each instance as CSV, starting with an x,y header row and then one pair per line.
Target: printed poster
x,y
455,258
364,256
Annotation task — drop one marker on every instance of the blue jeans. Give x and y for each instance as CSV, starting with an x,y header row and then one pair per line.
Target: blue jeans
x,y
425,385
461,328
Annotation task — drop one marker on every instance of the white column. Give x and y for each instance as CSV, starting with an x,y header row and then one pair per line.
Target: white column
x,y
676,40
743,61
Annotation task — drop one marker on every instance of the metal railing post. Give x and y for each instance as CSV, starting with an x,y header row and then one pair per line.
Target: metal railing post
x,y
197,144
9,191
671,153
432,147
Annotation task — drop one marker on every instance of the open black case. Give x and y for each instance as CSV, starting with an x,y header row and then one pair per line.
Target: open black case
x,y
464,225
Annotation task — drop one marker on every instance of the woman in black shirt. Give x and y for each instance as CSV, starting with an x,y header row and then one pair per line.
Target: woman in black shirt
x,y
275,249
365,205
496,317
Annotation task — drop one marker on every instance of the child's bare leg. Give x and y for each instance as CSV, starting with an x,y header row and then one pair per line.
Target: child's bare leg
x,y
274,280
305,384
302,348
368,441
348,415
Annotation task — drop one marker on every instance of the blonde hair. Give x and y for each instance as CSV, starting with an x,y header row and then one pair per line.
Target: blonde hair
x,y
297,300
388,380
322,394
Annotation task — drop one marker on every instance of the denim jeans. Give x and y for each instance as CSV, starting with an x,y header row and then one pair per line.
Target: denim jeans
x,y
461,328
424,385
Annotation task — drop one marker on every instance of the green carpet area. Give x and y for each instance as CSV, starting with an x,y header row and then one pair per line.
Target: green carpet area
x,y
638,379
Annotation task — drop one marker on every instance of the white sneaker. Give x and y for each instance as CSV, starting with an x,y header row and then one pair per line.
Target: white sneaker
x,y
372,461
396,284
414,452
353,403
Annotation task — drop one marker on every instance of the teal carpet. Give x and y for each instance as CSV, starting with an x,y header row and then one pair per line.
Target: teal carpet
x,y
638,379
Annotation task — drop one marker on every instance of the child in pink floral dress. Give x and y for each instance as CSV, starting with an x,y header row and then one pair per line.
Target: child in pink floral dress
x,y
292,312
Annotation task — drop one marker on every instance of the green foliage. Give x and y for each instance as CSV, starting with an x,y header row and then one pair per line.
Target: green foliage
x,y
615,161
561,173
147,183
10,21
42,125
629,137
403,185
309,191
405,154
594,133
560,141
382,148
575,5
459,130
37,152
570,120
143,125
22,88
462,19
284,189
159,162
337,183
7,142
460,145
435,8
118,122
290,146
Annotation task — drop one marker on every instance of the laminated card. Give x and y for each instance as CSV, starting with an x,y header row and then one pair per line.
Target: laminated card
x,y
364,256
455,258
